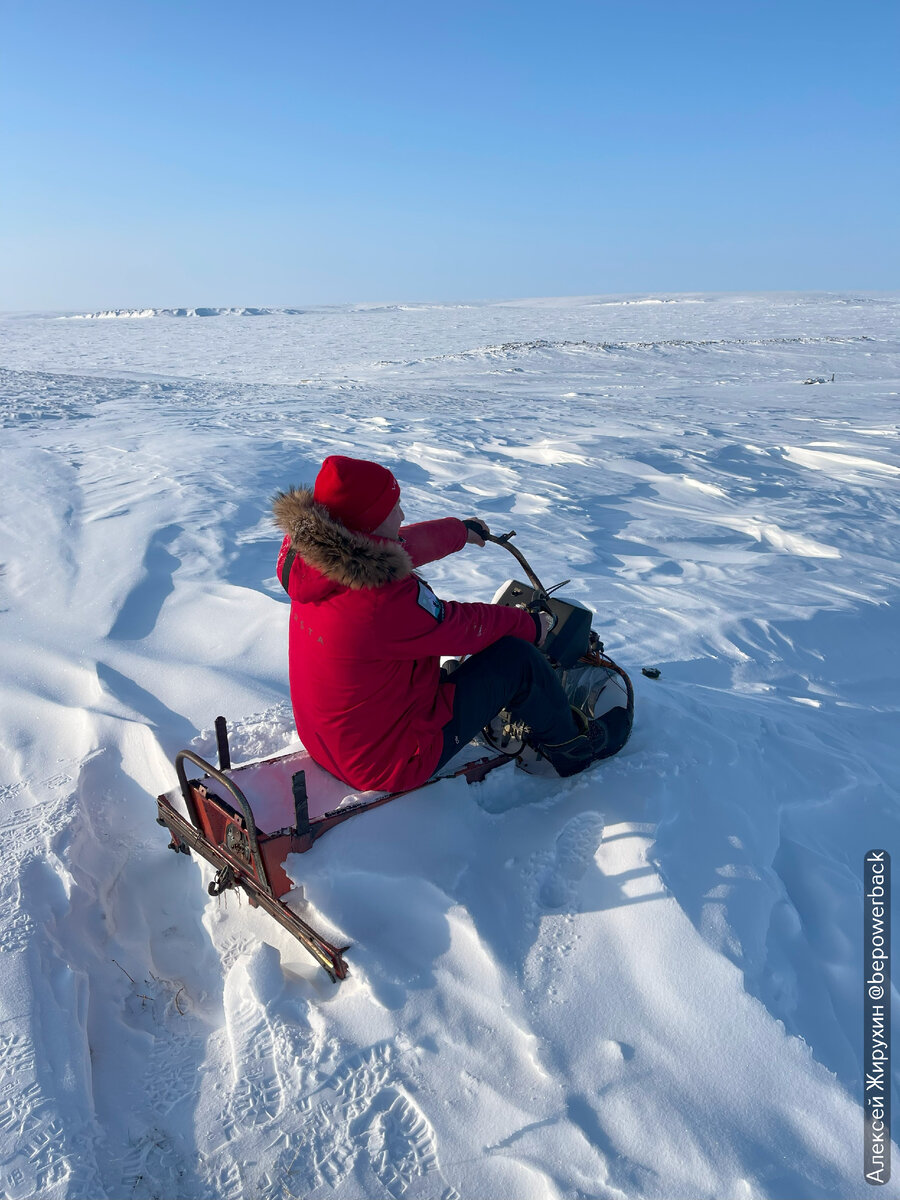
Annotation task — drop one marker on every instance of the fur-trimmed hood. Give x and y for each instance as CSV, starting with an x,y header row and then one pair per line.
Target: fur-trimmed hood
x,y
341,555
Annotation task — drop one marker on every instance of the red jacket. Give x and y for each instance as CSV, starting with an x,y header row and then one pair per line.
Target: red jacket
x,y
366,634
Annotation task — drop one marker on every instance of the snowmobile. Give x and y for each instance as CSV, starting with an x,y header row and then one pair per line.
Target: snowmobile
x,y
246,820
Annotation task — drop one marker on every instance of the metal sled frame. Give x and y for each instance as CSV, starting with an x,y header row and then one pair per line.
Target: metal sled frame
x,y
224,832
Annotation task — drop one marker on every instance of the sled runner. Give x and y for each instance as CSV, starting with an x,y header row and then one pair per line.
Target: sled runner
x,y
246,820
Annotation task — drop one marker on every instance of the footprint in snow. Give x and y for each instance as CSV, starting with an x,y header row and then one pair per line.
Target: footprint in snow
x,y
251,986
575,848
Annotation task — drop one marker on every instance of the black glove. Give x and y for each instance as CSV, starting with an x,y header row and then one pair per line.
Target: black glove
x,y
477,527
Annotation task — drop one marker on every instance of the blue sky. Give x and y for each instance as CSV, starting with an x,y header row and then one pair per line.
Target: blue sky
x,y
161,152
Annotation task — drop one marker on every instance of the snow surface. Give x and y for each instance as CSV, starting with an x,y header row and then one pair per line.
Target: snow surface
x,y
645,981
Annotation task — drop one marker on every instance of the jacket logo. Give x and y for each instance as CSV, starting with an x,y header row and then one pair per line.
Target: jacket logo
x,y
429,601
307,629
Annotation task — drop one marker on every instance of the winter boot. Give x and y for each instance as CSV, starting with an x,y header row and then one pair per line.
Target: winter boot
x,y
573,756
611,731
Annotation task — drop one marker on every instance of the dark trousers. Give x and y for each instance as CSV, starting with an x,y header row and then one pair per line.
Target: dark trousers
x,y
510,674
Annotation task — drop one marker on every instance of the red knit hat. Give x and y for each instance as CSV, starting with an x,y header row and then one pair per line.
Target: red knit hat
x,y
357,493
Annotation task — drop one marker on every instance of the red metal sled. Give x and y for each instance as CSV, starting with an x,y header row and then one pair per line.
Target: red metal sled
x,y
220,827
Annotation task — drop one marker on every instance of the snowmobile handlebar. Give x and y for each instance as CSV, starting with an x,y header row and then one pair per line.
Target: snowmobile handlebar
x,y
504,540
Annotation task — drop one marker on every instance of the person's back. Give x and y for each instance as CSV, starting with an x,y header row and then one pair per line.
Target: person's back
x,y
366,634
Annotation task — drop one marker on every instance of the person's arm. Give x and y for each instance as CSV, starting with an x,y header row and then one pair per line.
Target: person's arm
x,y
416,624
427,541
430,540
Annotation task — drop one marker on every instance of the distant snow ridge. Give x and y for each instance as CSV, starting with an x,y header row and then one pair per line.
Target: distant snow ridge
x,y
112,314
422,307
649,300
515,349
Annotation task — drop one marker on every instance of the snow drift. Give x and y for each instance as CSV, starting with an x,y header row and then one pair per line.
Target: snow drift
x,y
643,982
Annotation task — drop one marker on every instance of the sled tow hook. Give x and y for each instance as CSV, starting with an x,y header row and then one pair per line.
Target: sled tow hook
x,y
224,879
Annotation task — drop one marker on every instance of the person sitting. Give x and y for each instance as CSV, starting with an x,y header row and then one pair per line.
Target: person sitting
x,y
370,701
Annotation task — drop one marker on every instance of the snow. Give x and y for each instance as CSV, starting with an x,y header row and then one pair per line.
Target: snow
x,y
130,313
645,981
